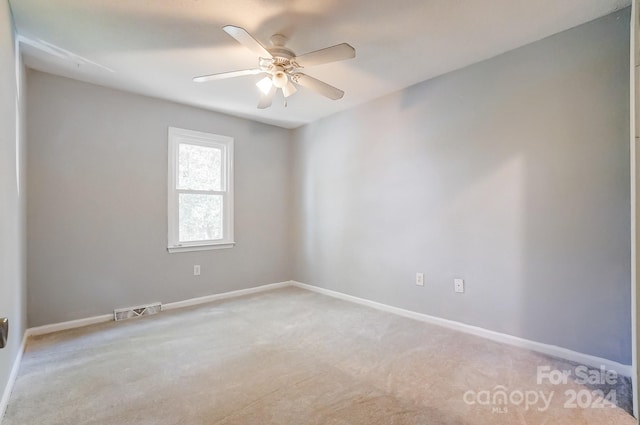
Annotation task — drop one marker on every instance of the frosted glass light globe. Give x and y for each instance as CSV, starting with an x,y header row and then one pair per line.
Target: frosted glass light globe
x,y
280,79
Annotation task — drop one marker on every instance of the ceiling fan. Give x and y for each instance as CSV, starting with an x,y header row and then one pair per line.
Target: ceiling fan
x,y
282,66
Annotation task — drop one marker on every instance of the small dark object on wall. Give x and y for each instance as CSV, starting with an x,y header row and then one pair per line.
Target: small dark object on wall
x,y
4,331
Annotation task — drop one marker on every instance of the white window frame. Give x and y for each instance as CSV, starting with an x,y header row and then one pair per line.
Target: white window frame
x,y
225,143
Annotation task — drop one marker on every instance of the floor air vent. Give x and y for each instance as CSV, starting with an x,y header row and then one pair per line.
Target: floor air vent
x,y
137,311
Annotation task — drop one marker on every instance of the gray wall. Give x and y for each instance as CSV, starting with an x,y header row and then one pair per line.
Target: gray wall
x,y
12,199
97,202
512,174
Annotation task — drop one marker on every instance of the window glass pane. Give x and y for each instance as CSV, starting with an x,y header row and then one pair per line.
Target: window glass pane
x,y
199,167
199,217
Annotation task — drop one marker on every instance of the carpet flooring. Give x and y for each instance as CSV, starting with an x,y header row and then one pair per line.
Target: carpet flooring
x,y
291,356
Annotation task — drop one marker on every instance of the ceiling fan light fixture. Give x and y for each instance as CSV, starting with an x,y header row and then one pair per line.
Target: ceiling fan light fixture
x,y
280,79
265,85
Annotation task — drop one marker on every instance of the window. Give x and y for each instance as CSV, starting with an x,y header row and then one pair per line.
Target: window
x,y
200,191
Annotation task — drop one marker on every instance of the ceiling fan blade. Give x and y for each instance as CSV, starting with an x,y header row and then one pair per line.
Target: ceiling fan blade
x,y
223,75
330,54
289,89
318,86
244,38
266,99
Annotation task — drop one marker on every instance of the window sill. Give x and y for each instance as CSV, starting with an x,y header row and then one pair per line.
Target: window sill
x,y
187,248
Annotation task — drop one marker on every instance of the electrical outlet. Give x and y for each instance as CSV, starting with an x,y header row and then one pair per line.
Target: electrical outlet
x,y
458,285
420,279
196,270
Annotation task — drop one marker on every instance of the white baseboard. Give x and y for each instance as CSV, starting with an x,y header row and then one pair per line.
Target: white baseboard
x,y
552,350
6,394
224,295
71,324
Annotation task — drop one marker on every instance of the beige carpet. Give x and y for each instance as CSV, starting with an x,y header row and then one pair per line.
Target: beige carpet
x,y
287,356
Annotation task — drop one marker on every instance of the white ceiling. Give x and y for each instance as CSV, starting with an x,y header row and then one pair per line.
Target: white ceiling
x,y
156,47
